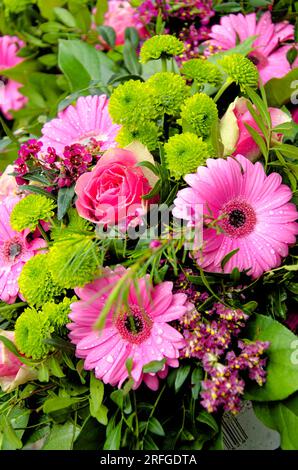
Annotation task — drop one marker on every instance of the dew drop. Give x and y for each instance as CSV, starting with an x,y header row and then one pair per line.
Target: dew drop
x,y
110,359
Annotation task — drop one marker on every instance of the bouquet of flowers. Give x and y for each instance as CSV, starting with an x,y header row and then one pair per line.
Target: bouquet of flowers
x,y
147,237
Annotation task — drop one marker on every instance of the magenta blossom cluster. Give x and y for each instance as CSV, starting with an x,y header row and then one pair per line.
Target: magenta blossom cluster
x,y
224,385
185,10
211,336
64,169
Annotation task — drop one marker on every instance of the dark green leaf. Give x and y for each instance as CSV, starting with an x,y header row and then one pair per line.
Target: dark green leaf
x,y
64,199
181,376
132,35
155,427
207,418
131,59
61,437
37,190
108,34
113,440
196,378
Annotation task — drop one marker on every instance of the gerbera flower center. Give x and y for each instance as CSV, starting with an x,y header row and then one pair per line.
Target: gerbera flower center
x,y
134,325
12,249
239,218
3,79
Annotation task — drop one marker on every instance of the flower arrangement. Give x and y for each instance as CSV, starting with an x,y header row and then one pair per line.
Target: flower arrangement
x,y
148,224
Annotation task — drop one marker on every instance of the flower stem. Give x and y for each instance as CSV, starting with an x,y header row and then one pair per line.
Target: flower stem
x,y
42,231
164,65
222,89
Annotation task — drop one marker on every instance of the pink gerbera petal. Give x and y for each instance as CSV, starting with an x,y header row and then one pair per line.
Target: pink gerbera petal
x,y
138,331
256,217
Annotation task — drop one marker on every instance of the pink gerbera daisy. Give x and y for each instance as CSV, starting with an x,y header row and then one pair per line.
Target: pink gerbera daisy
x,y
138,331
89,118
268,56
252,210
15,250
10,97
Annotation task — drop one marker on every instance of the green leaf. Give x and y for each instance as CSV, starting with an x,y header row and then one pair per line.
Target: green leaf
x,y
108,34
47,7
227,7
12,348
101,8
182,374
10,439
207,418
65,17
21,71
131,60
132,35
117,397
283,417
61,437
153,366
155,427
196,378
280,90
154,191
58,403
258,140
37,190
64,199
287,150
113,437
227,258
282,368
97,410
80,57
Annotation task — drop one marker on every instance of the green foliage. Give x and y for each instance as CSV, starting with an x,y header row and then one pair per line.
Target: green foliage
x,y
282,378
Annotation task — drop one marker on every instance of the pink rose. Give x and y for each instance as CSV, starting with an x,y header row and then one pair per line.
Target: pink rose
x,y
122,15
12,371
112,192
236,138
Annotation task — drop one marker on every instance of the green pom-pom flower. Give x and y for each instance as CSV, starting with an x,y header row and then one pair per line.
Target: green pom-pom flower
x,y
198,114
161,46
147,134
131,104
31,330
240,70
184,153
57,314
73,261
202,71
36,282
169,91
28,212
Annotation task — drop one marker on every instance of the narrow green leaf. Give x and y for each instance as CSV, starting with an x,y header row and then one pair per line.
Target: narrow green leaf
x,y
154,366
108,34
207,418
181,376
227,258
64,199
65,17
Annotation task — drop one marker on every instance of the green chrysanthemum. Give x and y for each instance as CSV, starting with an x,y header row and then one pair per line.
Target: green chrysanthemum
x,y
161,46
17,6
202,72
30,211
32,328
198,114
36,282
169,91
131,104
146,133
73,262
241,70
184,153
57,314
